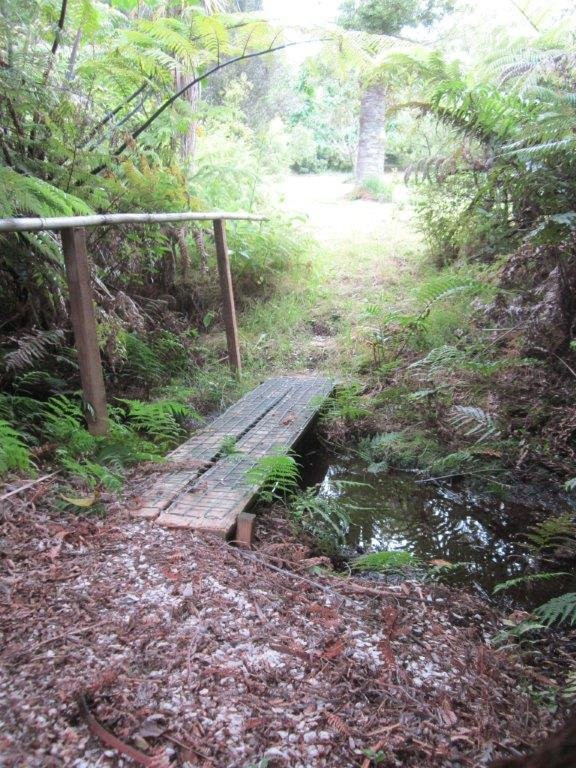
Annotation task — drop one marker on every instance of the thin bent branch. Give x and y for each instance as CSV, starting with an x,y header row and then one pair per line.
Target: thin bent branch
x,y
168,103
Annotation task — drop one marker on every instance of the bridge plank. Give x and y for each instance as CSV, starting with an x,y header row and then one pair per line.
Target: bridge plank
x,y
211,500
189,460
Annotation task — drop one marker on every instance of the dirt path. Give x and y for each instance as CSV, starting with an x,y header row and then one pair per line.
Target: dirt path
x,y
333,217
361,239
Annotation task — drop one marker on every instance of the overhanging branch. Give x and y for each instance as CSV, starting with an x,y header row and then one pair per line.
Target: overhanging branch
x,y
168,103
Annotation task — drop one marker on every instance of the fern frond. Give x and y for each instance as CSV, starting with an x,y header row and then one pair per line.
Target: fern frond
x,y
552,532
527,579
376,450
441,358
20,410
277,476
27,195
477,422
444,287
172,35
452,461
84,15
325,519
14,453
558,610
31,348
161,419
569,691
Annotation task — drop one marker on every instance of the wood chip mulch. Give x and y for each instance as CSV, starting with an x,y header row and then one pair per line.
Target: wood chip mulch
x,y
123,643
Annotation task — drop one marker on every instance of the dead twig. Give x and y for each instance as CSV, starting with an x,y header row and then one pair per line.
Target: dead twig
x,y
27,485
111,741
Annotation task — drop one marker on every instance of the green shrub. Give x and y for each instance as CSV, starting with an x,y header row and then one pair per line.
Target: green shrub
x,y
453,228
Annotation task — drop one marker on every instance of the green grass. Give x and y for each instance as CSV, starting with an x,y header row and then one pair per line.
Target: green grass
x,y
384,561
329,287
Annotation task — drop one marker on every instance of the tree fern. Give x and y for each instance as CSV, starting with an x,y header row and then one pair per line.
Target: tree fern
x,y
26,195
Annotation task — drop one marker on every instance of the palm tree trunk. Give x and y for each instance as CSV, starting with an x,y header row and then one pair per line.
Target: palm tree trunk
x,y
371,143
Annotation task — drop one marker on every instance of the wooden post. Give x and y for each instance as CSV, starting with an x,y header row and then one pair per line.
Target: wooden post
x,y
227,293
245,530
84,325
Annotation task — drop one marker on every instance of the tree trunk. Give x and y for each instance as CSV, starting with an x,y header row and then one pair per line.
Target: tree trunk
x,y
187,140
371,144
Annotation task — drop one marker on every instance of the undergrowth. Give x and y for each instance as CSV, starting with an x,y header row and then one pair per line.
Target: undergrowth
x,y
54,433
322,520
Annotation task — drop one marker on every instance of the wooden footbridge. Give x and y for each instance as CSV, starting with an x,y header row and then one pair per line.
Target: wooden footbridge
x,y
204,486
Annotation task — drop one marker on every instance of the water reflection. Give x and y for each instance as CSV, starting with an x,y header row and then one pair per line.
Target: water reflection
x,y
393,511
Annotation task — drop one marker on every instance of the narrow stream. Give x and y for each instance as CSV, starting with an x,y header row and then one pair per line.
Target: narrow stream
x,y
393,511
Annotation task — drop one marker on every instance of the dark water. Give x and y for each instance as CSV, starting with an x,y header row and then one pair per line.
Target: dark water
x,y
393,511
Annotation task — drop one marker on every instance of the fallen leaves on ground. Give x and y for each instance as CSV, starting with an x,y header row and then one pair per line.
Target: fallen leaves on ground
x,y
201,655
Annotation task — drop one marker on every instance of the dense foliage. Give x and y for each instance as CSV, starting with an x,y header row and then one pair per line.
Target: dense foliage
x,y
101,111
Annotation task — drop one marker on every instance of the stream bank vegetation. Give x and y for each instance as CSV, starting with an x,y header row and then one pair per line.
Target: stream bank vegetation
x,y
471,376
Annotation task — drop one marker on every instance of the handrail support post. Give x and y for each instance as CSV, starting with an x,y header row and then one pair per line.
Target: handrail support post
x,y
227,294
84,326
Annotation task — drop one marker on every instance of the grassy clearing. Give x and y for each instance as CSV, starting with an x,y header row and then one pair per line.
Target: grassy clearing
x,y
363,253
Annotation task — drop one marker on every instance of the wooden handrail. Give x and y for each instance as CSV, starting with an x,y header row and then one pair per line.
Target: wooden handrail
x,y
73,233
35,224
